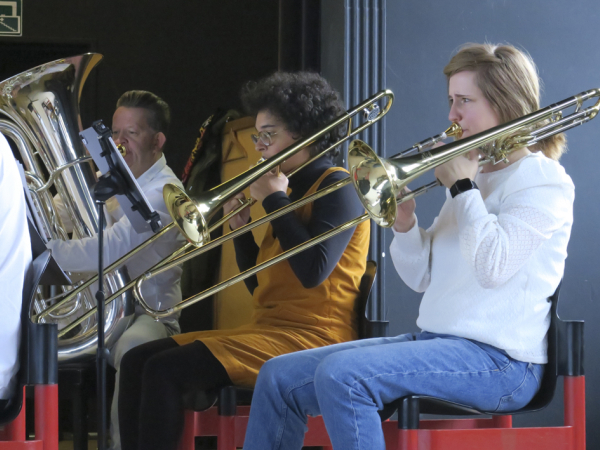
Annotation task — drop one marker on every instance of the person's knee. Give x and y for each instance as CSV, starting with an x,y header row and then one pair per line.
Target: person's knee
x,y
279,375
124,346
332,374
141,332
270,374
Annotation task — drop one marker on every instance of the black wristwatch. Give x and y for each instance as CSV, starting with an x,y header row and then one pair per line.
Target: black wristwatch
x,y
464,185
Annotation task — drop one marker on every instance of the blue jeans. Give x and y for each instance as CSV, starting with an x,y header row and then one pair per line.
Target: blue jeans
x,y
347,383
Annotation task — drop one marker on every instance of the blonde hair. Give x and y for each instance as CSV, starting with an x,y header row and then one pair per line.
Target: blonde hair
x,y
509,81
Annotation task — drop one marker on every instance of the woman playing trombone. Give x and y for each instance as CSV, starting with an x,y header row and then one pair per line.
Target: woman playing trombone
x,y
304,302
487,265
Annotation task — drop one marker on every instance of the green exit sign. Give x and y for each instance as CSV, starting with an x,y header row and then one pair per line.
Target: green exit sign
x,y
11,14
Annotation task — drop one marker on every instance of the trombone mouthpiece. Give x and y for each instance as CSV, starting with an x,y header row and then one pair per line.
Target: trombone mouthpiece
x,y
453,130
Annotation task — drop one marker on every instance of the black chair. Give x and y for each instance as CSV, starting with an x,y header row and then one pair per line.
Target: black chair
x,y
565,358
228,421
38,358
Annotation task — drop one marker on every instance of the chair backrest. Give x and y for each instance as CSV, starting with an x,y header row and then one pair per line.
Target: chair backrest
x,y
565,355
366,283
548,385
33,357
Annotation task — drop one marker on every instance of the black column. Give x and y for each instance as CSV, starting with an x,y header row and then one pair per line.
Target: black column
x,y
299,35
353,58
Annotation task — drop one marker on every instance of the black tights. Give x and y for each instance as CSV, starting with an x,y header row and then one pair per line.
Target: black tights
x,y
153,380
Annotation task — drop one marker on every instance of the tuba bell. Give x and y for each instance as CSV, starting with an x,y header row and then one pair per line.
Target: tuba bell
x,y
41,116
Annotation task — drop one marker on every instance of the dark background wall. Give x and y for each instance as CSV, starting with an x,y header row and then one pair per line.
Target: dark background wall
x,y
561,38
194,54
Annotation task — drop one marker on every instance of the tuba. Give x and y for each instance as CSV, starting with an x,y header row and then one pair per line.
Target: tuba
x,y
40,110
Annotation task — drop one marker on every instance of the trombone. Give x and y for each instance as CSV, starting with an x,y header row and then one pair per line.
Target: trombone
x,y
191,216
380,181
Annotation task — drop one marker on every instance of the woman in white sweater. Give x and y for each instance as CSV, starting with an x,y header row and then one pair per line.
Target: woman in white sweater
x,y
487,266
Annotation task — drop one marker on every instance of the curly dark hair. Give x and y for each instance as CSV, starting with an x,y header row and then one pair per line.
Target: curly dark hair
x,y
304,101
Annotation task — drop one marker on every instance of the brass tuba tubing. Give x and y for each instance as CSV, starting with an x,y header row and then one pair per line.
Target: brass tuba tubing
x,y
55,174
39,111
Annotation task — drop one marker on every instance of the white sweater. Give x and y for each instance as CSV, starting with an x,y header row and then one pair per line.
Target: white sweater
x,y
493,256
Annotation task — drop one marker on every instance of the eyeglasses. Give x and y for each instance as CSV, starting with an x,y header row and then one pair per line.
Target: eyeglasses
x,y
264,137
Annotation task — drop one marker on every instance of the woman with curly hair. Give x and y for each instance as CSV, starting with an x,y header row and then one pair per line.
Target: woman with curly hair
x,y
304,302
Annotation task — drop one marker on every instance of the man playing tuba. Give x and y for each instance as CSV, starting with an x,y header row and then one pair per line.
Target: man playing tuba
x,y
140,124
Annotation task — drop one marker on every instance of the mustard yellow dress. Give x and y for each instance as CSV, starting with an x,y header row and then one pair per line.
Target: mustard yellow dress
x,y
288,317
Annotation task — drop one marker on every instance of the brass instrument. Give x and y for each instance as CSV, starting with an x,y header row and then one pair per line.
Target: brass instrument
x,y
41,110
379,181
191,215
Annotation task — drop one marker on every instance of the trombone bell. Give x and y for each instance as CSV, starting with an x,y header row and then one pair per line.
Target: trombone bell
x,y
186,216
376,181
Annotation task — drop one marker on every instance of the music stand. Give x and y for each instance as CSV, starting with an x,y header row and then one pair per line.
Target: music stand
x,y
53,275
117,180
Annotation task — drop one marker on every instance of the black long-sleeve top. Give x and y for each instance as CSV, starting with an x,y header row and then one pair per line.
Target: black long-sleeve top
x,y
313,265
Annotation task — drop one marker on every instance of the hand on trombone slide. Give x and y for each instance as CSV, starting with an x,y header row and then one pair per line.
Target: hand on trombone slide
x,y
405,213
243,216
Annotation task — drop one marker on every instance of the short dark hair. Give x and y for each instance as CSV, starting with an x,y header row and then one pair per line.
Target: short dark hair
x,y
304,101
159,114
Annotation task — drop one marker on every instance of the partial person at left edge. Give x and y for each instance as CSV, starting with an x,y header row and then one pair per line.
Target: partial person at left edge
x,y
140,124
15,259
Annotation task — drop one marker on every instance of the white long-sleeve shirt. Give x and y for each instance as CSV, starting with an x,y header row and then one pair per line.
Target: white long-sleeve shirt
x,y
15,259
81,255
493,256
